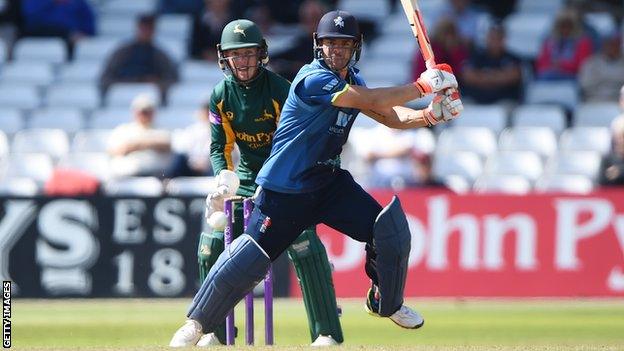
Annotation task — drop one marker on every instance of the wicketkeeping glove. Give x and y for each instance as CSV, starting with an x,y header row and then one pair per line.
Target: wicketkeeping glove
x,y
227,185
435,79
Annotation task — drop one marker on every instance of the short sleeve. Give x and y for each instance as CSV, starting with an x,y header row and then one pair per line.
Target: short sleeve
x,y
320,88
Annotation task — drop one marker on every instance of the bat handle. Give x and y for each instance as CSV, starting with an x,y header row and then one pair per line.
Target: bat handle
x,y
430,63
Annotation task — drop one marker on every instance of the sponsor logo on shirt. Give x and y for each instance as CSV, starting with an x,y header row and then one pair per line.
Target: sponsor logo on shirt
x,y
266,116
342,120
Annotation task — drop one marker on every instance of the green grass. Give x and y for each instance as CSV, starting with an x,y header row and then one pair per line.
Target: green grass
x,y
137,324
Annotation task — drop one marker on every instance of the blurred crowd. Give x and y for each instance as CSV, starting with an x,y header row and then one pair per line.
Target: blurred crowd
x,y
488,72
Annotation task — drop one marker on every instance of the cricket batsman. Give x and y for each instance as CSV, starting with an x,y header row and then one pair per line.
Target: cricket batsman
x,y
302,183
245,109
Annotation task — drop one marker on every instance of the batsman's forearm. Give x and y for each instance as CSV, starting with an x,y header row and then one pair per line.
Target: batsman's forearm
x,y
381,98
398,117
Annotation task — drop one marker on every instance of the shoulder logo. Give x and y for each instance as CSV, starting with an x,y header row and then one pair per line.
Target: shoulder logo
x,y
238,29
329,86
339,22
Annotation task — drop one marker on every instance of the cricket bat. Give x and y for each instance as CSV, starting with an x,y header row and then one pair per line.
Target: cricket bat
x,y
414,16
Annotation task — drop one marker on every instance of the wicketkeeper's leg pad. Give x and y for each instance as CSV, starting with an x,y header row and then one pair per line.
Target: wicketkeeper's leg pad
x,y
391,240
313,271
237,270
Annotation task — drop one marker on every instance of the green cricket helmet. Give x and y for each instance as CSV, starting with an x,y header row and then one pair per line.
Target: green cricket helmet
x,y
239,34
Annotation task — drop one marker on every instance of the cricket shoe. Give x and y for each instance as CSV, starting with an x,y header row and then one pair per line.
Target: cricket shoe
x,y
404,317
324,340
187,335
208,340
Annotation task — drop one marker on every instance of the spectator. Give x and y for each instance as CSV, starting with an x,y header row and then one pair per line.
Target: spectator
x,y
612,165
10,21
187,7
71,20
447,46
195,159
602,75
466,17
565,50
492,74
140,60
423,171
288,62
207,26
137,148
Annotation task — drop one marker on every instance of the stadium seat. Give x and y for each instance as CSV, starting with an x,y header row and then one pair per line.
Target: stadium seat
x,y
91,140
597,139
80,72
18,186
551,116
505,184
128,8
201,72
479,140
96,49
175,48
541,140
564,93
172,118
94,163
188,95
11,120
550,7
134,186
585,163
174,26
20,97
596,114
18,73
36,166
397,71
462,163
122,94
602,22
523,163
424,140
493,117
4,145
82,96
4,53
116,27
564,183
402,48
191,186
525,32
374,10
69,120
53,142
45,50
110,118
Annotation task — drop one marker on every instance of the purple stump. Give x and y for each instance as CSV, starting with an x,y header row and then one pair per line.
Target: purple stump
x,y
268,307
249,299
228,235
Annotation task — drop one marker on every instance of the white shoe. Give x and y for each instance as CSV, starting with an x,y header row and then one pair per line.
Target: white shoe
x,y
407,318
209,339
187,335
324,340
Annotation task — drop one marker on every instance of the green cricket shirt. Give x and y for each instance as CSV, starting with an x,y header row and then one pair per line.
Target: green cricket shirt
x,y
246,116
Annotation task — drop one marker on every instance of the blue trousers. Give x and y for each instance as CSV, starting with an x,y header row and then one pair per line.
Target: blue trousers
x,y
279,218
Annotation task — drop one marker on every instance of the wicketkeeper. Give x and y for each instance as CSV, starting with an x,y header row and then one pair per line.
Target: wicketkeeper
x,y
245,109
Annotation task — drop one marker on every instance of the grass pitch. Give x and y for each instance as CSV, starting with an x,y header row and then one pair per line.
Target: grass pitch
x,y
139,324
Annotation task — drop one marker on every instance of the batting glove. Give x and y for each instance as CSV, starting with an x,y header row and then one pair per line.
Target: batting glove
x,y
435,79
444,107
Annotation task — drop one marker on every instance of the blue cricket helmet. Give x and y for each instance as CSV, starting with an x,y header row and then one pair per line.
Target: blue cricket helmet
x,y
338,24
